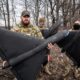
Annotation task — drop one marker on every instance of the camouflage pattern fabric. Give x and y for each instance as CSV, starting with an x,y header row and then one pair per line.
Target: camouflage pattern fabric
x,y
5,74
28,30
42,28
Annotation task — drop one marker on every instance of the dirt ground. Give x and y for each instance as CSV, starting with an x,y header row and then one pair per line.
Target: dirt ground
x,y
60,68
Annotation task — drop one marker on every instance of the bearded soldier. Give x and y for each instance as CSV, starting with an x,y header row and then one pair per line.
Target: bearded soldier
x,y
26,27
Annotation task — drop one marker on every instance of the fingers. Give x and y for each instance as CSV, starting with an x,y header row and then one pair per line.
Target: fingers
x,y
50,58
50,45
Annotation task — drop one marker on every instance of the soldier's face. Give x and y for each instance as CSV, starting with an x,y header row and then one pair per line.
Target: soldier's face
x,y
41,24
25,19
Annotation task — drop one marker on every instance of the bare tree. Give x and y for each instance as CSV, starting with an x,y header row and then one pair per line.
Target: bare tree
x,y
57,9
3,12
37,10
13,13
25,4
8,14
52,11
47,14
69,10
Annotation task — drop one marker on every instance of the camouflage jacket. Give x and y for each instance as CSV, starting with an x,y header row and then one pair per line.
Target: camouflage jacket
x,y
28,30
43,28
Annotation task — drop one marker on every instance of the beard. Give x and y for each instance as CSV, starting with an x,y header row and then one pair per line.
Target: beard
x,y
25,23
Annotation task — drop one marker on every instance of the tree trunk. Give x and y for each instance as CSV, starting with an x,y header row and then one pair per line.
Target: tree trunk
x,y
57,10
26,4
8,14
4,14
37,11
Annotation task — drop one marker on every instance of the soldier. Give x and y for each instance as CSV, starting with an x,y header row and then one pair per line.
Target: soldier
x,y
42,26
26,27
42,23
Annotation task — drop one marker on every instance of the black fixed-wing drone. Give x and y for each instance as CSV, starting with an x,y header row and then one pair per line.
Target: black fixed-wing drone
x,y
25,54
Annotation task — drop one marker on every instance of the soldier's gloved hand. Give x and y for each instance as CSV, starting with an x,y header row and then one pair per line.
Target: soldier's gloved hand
x,y
50,47
50,58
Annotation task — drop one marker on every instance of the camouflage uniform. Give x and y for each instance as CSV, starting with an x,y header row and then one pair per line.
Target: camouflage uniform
x,y
28,30
43,28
